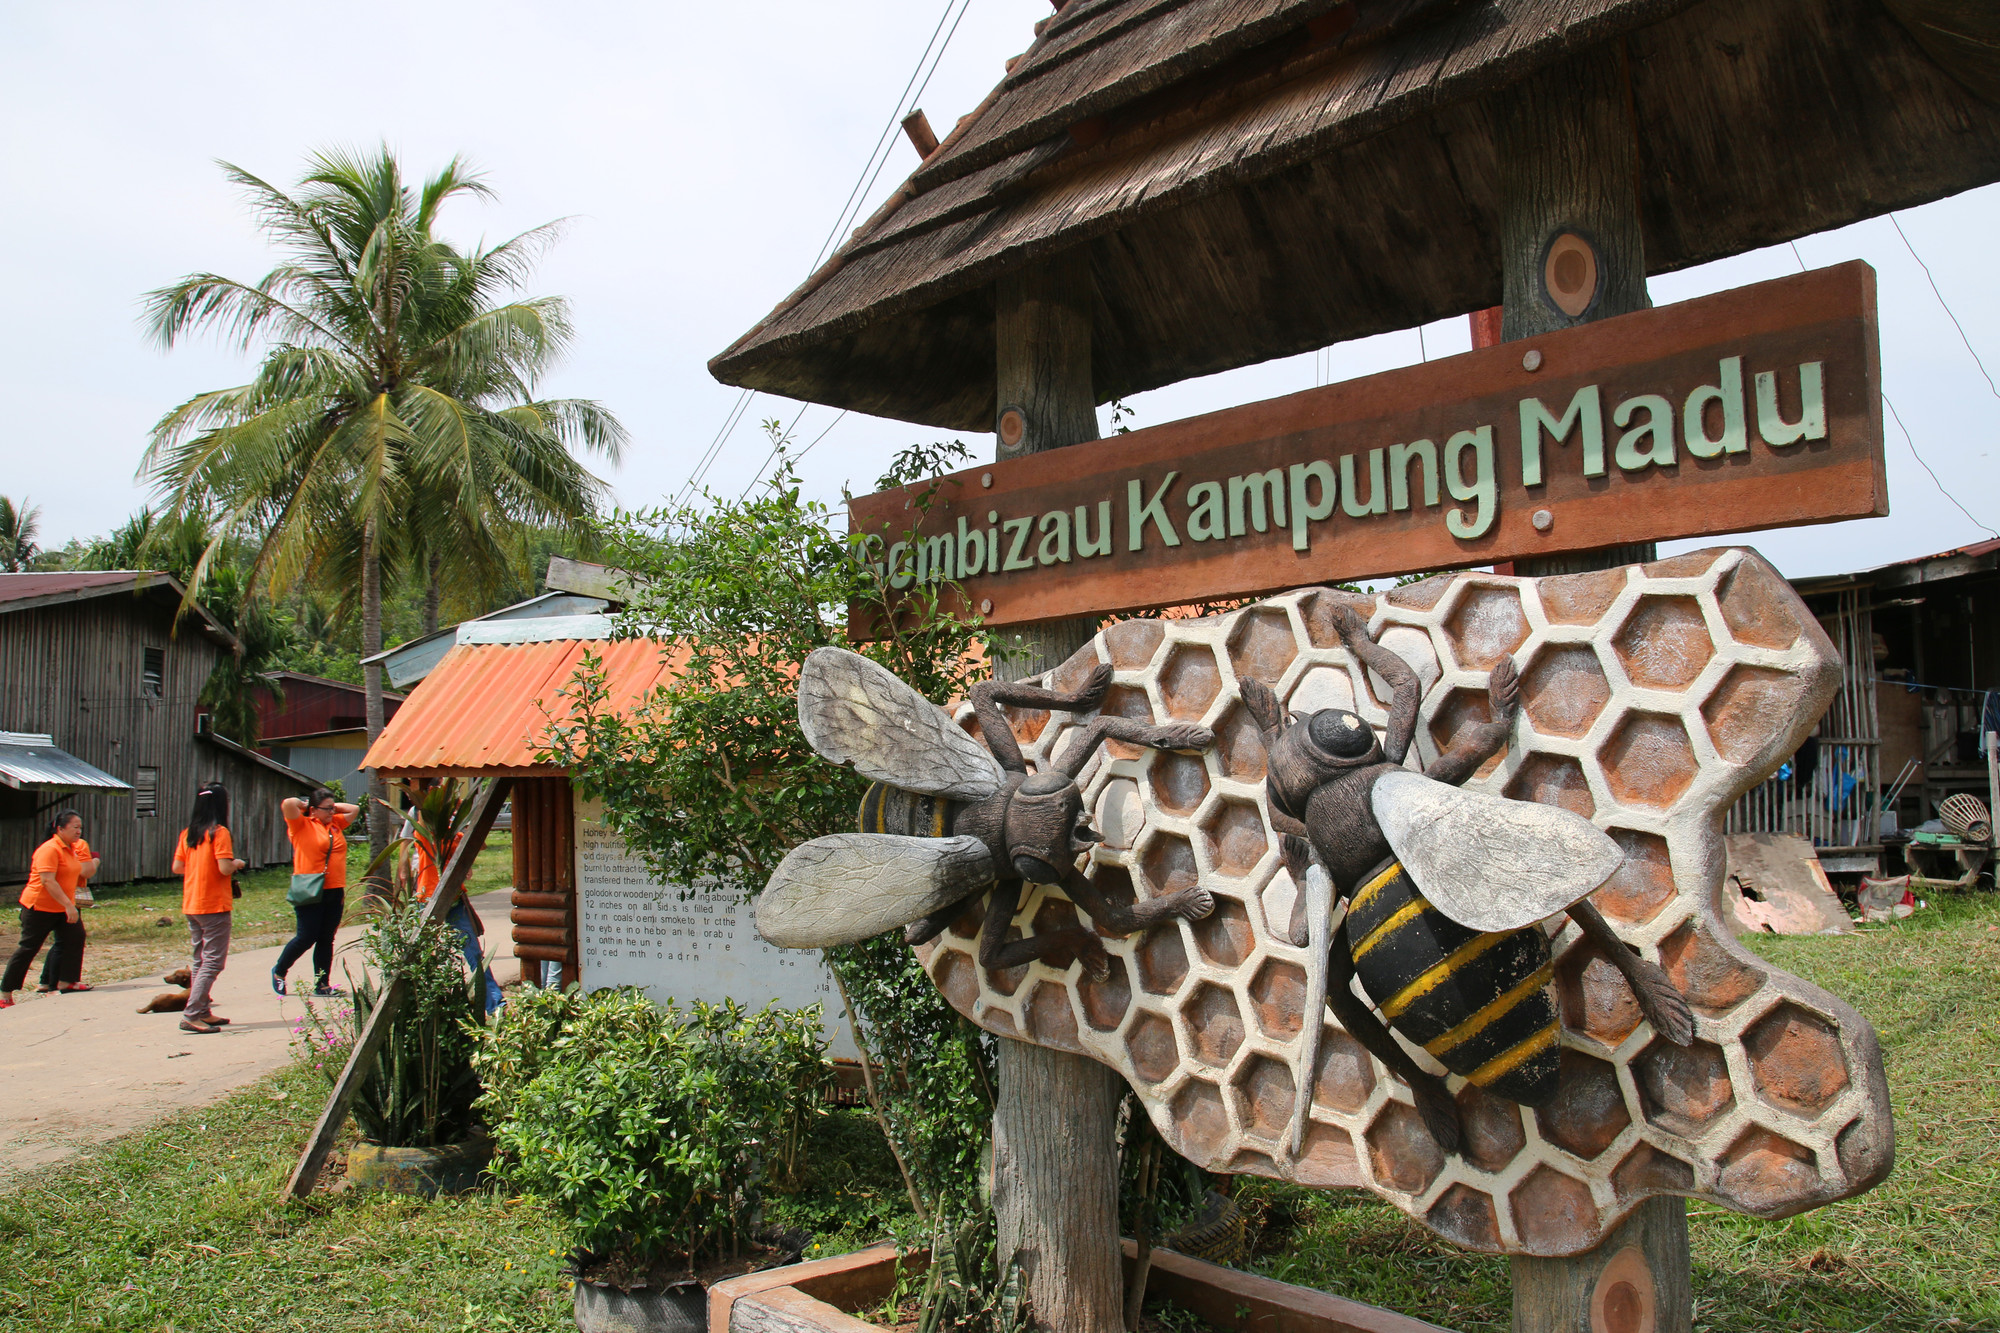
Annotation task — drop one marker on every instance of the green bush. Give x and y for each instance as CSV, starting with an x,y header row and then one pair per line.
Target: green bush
x,y
655,1129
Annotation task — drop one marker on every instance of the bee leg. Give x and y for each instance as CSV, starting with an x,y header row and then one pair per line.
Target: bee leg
x,y
1189,904
997,951
927,928
1659,999
1433,1098
1176,736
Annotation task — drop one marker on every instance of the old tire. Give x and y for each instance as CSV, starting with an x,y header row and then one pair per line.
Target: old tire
x,y
451,1169
609,1310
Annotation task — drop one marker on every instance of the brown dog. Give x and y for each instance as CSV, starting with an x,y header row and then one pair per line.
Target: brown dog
x,y
170,1001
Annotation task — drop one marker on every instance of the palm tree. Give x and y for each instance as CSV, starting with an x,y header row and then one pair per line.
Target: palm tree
x,y
20,524
392,372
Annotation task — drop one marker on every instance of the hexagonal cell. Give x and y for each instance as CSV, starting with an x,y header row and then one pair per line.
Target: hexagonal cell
x,y
1132,643
1462,708
1322,687
1249,1162
1491,1127
1795,1060
1214,1023
1765,1173
1647,1170
1264,1096
1465,1217
1327,1159
1580,599
956,980
1105,1002
1683,1089
1691,565
1316,609
997,1021
1749,708
1150,1043
1423,594
1648,760
1553,779
1240,745
1189,681
1402,1152
1595,999
1050,1020
970,917
1643,882
1126,701
1588,1111
1115,883
1664,643
1236,837
1179,781
1199,1116
1224,936
1554,1213
1759,607
1486,625
1167,865
1414,647
1120,814
1262,644
1006,980
1162,960
1278,997
1564,690
1025,723
1075,670
1345,1076
1053,915
1713,981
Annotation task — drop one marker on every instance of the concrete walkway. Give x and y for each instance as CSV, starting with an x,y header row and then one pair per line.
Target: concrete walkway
x,y
84,1069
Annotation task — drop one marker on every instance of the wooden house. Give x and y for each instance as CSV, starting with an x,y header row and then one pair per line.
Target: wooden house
x,y
317,726
105,665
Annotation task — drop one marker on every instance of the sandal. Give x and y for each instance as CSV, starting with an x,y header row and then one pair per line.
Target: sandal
x,y
78,988
44,990
6,1002
198,1025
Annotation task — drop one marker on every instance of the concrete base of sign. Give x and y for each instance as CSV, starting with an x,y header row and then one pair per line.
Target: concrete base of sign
x,y
823,1295
451,1169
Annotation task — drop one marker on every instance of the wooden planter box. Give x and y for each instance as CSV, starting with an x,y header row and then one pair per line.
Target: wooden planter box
x,y
819,1297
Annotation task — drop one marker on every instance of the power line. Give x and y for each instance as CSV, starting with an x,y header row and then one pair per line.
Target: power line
x,y
1941,301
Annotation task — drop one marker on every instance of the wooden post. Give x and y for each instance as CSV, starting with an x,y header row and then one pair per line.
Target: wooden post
x,y
1055,1188
395,989
1573,251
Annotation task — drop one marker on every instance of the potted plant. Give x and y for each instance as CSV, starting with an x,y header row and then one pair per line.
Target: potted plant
x,y
655,1130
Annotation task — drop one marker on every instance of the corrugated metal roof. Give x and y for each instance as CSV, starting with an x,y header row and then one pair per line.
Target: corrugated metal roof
x,y
481,710
28,760
25,592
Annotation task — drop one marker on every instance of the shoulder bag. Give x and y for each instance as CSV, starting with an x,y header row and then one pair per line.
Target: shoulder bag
x,y
305,890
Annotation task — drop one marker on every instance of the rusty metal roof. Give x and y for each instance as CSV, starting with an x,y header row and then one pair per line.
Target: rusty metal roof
x,y
26,592
483,710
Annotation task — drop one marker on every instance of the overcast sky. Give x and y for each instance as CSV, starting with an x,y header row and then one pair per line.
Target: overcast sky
x,y
703,152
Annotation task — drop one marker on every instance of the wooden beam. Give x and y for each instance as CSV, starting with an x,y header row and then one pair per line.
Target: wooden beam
x,y
485,810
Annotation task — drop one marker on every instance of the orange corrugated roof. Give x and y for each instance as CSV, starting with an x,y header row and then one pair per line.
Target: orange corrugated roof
x,y
481,711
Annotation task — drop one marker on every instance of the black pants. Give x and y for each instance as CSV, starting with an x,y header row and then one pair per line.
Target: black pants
x,y
35,928
317,924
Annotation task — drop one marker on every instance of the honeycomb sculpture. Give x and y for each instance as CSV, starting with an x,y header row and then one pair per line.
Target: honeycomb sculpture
x,y
1652,697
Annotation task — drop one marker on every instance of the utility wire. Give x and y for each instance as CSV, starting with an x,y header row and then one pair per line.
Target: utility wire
x,y
1898,416
1941,301
871,170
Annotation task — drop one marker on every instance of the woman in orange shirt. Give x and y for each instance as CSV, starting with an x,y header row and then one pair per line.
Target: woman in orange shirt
x,y
88,863
48,907
319,883
206,861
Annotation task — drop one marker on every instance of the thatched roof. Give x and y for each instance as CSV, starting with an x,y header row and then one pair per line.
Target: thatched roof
x,y
1258,178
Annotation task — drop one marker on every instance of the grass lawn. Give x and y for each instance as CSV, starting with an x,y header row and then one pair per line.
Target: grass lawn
x,y
180,1227
137,929
1920,1251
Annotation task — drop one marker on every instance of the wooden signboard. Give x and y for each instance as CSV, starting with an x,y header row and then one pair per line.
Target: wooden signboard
x,y
1754,408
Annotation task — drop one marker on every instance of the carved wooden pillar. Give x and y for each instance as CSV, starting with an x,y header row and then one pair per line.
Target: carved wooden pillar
x,y
1573,251
1055,1187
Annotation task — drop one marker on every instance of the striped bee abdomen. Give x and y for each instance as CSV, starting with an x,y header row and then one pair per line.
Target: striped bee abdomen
x,y
1478,1001
886,809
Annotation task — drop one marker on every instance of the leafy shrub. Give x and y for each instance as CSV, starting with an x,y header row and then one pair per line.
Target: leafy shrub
x,y
653,1128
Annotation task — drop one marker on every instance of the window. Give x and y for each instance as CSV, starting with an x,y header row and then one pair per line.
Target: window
x,y
146,791
153,673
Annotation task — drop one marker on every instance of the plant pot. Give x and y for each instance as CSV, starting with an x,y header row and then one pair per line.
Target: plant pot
x,y
609,1310
451,1169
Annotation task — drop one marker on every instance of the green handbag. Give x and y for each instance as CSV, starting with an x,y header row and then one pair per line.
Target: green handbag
x,y
306,889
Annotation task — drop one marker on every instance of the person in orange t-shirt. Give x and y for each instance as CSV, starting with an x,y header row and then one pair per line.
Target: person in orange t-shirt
x,y
461,916
207,863
319,852
88,864
48,907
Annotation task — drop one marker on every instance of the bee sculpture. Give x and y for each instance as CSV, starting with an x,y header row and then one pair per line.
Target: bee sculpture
x,y
1444,888
947,819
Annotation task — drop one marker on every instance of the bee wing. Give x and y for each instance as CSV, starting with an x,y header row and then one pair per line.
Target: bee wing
x,y
850,886
857,712
1488,862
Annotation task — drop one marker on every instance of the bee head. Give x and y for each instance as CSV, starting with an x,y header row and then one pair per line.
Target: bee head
x,y
1315,749
1046,827
1340,735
